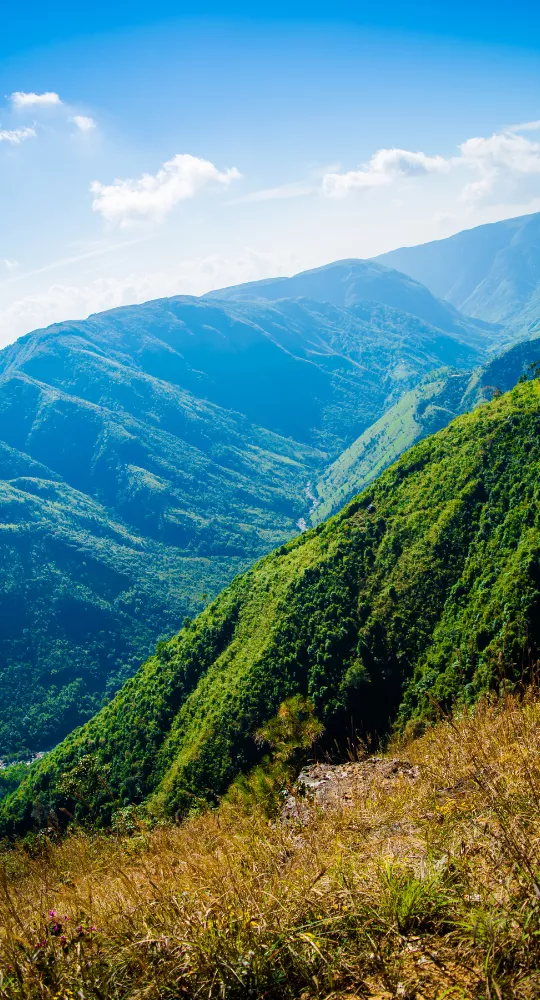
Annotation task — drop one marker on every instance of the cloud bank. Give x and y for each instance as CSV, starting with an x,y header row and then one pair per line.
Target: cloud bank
x,y
188,277
502,157
498,160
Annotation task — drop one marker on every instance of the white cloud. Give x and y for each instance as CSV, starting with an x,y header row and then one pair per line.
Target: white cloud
x,y
20,99
524,127
497,163
402,161
503,150
83,122
16,135
444,218
10,265
202,274
502,157
153,196
384,167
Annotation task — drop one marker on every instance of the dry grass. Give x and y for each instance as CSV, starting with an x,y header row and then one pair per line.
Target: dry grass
x,y
429,890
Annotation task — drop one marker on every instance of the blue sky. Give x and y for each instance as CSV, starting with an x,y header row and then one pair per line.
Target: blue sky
x,y
148,151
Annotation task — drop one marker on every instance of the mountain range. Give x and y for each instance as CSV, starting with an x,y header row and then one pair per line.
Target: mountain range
x,y
151,453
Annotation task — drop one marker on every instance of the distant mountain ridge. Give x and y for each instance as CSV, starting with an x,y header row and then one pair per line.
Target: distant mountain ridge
x,y
349,283
491,272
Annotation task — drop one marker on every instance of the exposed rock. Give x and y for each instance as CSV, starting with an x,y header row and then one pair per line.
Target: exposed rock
x,y
331,785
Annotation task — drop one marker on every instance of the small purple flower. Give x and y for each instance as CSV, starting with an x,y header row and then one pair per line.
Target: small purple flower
x,y
63,939
52,913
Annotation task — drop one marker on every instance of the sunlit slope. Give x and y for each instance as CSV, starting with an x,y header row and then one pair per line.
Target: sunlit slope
x,y
432,574
427,408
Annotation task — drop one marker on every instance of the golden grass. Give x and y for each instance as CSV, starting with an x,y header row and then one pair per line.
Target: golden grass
x,y
428,889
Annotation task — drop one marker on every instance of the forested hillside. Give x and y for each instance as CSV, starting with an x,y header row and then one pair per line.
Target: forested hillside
x,y
431,405
423,590
150,453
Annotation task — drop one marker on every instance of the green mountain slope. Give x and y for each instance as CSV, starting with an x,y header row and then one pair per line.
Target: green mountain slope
x,y
431,405
501,372
82,598
421,411
426,586
491,272
149,454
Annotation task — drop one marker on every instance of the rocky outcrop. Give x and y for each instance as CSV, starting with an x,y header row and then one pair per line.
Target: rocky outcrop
x,y
334,785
